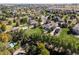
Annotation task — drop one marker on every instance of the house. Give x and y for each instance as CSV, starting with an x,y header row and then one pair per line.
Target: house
x,y
57,18
49,26
62,24
72,20
43,19
75,29
56,31
4,22
31,17
77,12
33,23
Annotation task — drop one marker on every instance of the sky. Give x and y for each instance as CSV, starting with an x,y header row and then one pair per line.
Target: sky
x,y
39,1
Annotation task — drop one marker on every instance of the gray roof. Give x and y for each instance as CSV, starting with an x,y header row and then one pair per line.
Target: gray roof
x,y
49,25
32,22
76,27
57,17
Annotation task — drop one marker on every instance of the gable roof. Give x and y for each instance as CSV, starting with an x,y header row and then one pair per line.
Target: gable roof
x,y
76,27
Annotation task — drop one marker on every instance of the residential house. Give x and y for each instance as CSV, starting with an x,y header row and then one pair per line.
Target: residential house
x,y
44,19
75,29
56,31
62,24
33,23
49,26
57,18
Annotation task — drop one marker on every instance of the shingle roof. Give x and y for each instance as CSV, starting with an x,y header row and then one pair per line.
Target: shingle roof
x,y
76,27
32,22
49,25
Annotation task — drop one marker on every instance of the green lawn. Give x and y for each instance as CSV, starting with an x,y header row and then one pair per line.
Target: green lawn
x,y
36,31
68,40
65,35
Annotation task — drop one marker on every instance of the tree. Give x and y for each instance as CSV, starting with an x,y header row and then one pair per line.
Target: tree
x,y
2,46
33,33
39,21
4,37
2,26
17,35
33,50
42,49
23,20
5,52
